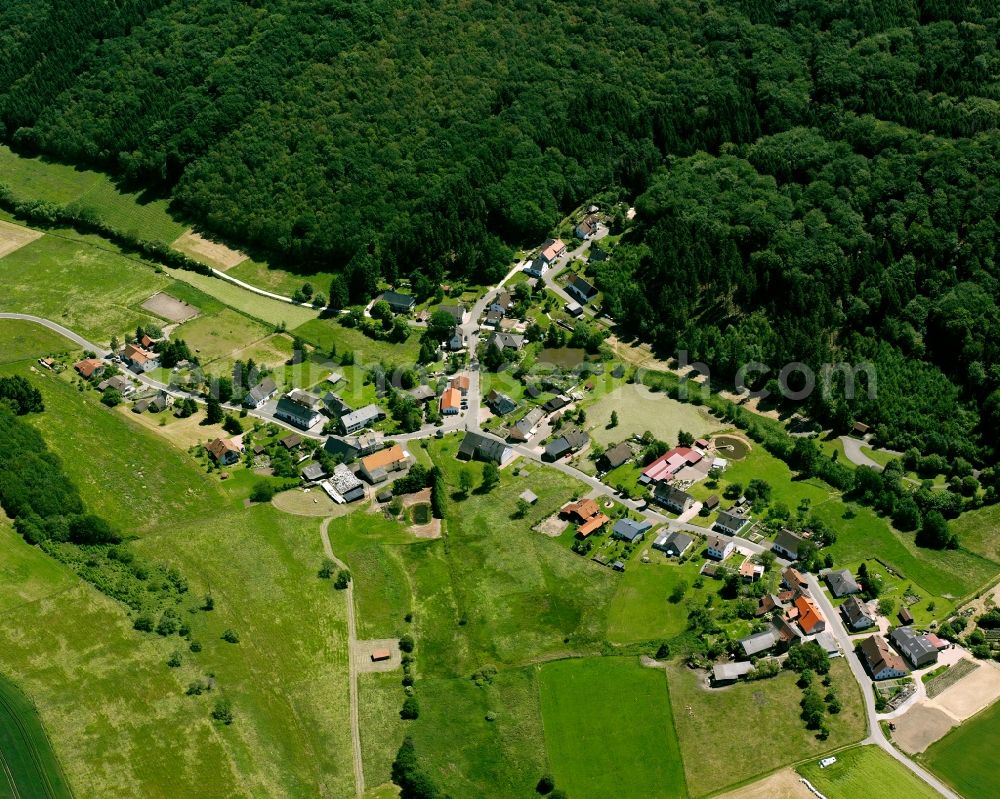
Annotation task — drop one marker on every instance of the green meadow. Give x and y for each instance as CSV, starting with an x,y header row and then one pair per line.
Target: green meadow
x,y
966,757
609,729
867,771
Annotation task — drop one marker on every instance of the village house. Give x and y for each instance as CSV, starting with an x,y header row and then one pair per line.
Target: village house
x,y
580,290
155,403
555,404
506,341
500,403
673,544
260,394
672,498
587,227
751,572
140,360
375,468
629,530
313,473
551,250
729,523
526,426
793,580
537,268
917,648
597,254
481,447
352,447
719,548
299,409
451,402
882,662
787,544
904,616
224,451
422,394
757,643
291,441
615,457
399,303
711,503
358,420
856,614
842,583
456,312
668,464
769,603
118,383
460,383
568,443
89,367
455,340
809,617
587,514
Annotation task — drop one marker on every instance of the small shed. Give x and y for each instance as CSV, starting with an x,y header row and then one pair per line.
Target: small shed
x,y
905,617
381,655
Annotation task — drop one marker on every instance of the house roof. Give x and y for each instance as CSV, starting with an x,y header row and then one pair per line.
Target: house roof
x,y
577,439
793,577
730,521
760,642
528,496
500,402
809,615
592,525
555,403
724,672
291,441
478,445
137,354
842,582
456,311
264,389
304,398
397,299
618,454
581,286
671,462
220,446
363,416
672,496
557,448
679,541
552,248
289,407
856,610
583,509
523,427
912,644
451,399
383,458
718,543
750,569
313,471
712,502
879,656
506,341
788,541
461,382
422,393
630,529
88,366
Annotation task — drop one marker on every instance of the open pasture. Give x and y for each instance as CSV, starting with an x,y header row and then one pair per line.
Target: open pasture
x,y
866,771
640,409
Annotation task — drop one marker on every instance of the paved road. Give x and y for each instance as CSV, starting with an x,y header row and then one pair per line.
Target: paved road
x,y
875,735
553,272
255,290
352,641
853,453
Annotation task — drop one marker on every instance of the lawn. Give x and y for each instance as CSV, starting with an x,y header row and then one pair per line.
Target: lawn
x,y
131,213
278,281
274,312
21,341
25,752
639,410
221,335
966,757
609,730
880,456
94,291
715,759
641,610
867,771
979,531
327,334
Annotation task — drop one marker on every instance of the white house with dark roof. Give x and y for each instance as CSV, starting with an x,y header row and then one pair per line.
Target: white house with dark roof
x,y
729,523
787,544
719,548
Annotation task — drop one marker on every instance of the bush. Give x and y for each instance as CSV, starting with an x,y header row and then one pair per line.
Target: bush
x,y
223,711
327,569
406,643
343,580
410,709
195,646
231,636
262,491
175,660
143,624
546,784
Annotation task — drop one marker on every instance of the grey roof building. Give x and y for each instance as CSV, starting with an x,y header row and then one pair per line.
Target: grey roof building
x,y
629,530
760,642
400,303
856,614
787,543
730,523
842,583
477,446
346,483
500,403
522,429
296,413
556,449
730,672
616,456
361,418
917,648
260,393
313,472
673,544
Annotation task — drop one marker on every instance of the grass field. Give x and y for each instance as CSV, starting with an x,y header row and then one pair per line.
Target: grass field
x,y
93,291
37,179
26,757
979,531
20,341
640,410
714,760
274,312
117,715
278,280
866,771
966,757
221,335
327,333
609,729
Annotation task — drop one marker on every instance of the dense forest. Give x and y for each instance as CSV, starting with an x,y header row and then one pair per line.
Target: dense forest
x,y
816,179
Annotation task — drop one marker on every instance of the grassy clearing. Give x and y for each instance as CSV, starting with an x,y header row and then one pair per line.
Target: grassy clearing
x,y
609,729
966,757
641,610
979,531
37,179
327,334
880,456
274,312
20,341
278,281
25,752
221,335
467,755
866,771
714,760
93,291
640,410
380,696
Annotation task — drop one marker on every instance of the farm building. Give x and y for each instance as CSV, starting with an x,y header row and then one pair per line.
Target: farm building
x,y
760,642
917,648
375,468
480,447
313,473
725,673
668,464
347,484
882,662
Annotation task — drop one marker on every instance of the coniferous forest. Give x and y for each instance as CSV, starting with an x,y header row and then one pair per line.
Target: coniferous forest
x,y
816,180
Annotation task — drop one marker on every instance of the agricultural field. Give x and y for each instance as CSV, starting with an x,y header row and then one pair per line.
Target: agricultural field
x,y
27,341
26,757
221,335
866,771
714,760
129,212
274,312
13,237
94,291
639,410
966,757
609,730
